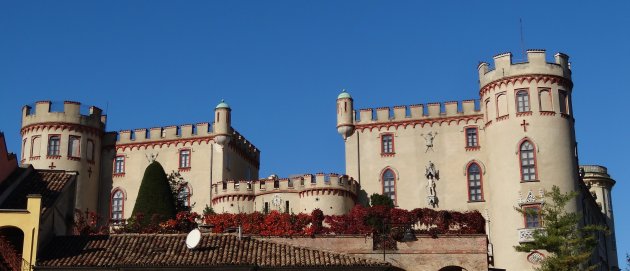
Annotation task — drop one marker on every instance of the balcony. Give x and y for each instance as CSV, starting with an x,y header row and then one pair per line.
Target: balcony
x,y
527,235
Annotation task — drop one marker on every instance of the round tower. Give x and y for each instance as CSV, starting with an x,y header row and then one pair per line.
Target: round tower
x,y
530,144
222,123
66,140
601,184
345,112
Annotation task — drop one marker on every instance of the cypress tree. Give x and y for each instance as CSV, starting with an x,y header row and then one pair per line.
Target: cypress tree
x,y
155,198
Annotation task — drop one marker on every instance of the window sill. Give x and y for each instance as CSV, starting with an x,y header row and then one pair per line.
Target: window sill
x,y
524,113
504,117
547,113
119,175
34,158
473,148
389,154
565,115
74,158
530,181
184,169
53,156
91,162
476,201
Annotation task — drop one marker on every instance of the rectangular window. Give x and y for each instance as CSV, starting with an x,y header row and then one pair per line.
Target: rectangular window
x,y
522,101
224,185
532,217
286,207
74,146
387,144
119,165
54,145
472,140
266,210
184,159
262,184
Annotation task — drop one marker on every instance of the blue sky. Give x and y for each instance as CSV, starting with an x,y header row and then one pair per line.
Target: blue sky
x,y
280,65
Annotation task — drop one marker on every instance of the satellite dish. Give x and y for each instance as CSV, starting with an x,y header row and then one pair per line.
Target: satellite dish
x,y
193,238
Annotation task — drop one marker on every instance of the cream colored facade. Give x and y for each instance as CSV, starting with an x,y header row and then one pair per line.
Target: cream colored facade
x,y
524,123
428,150
216,153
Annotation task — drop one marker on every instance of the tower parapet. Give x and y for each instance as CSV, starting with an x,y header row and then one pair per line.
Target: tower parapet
x,y
332,193
536,64
68,139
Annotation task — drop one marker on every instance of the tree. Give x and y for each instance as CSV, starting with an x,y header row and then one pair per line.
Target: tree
x,y
570,244
381,200
177,182
155,199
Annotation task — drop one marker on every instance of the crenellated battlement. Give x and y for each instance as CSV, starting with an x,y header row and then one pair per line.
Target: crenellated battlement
x,y
417,112
171,132
296,184
66,113
536,63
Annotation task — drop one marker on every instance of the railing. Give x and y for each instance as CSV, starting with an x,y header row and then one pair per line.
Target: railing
x,y
527,235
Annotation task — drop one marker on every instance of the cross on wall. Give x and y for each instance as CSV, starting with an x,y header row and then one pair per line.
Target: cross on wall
x,y
52,165
525,124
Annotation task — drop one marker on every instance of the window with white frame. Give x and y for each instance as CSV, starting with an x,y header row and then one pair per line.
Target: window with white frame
x,y
117,213
184,158
389,184
522,101
528,161
54,145
475,191
472,139
119,164
387,144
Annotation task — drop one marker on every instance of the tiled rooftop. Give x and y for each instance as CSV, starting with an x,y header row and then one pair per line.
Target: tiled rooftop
x,y
169,250
47,183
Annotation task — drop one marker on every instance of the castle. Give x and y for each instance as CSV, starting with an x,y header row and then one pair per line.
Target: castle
x,y
502,153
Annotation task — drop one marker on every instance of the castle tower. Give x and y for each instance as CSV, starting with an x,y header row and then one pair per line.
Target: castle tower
x,y
222,123
345,113
601,185
530,144
65,140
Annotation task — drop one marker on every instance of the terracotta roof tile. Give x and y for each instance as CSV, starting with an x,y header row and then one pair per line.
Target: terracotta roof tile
x,y
48,183
169,250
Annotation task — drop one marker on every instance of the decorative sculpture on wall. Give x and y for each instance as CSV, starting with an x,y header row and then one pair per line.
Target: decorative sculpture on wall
x,y
429,140
432,175
151,158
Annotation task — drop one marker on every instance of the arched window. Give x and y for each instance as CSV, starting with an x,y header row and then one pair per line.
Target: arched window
x,y
90,150
489,110
35,146
528,161
522,101
117,213
475,187
389,184
183,196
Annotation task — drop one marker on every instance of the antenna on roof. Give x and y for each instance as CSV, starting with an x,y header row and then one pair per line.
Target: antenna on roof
x,y
520,20
193,238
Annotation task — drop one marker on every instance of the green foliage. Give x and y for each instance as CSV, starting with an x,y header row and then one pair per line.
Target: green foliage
x,y
571,245
155,198
176,182
381,200
208,210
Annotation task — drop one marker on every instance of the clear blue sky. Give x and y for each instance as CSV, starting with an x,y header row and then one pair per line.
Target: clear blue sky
x,y
281,64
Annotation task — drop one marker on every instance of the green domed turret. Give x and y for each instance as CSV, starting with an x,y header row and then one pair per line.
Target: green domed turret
x,y
223,104
344,94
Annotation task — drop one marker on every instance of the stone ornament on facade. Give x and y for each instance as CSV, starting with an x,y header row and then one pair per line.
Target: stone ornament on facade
x,y
276,201
432,175
151,158
535,257
429,140
531,198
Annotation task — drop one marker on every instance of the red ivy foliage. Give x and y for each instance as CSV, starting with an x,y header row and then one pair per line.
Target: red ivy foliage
x,y
360,220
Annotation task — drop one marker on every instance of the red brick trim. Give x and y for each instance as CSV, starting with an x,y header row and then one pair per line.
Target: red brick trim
x,y
61,125
422,122
525,78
